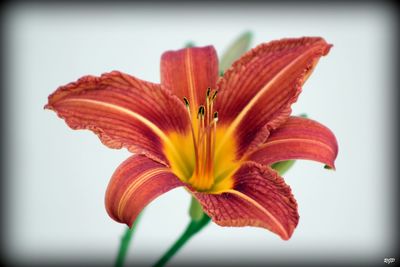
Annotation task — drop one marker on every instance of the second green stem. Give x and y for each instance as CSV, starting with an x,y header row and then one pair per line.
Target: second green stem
x,y
193,227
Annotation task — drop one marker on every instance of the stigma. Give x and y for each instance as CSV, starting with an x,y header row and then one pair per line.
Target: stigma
x,y
204,128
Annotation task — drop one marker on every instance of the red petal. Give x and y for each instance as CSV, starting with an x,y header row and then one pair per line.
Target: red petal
x,y
135,183
298,138
123,111
258,90
259,198
189,72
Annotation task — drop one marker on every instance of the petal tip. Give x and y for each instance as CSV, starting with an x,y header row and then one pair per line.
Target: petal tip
x,y
327,49
285,236
208,49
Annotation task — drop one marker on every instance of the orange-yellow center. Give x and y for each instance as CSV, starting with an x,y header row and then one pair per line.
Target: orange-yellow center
x,y
194,158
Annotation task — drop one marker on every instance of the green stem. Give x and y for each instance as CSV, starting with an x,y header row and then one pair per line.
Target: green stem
x,y
125,241
193,227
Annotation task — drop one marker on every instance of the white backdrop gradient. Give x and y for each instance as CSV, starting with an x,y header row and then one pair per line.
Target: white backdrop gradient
x,y
57,177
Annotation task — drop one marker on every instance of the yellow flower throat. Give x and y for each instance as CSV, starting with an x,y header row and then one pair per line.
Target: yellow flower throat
x,y
195,157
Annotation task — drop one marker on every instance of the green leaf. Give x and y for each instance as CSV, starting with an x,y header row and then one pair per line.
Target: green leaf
x,y
303,115
328,167
189,44
283,166
237,48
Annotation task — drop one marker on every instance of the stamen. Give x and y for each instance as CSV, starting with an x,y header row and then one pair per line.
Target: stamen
x,y
203,176
196,153
214,124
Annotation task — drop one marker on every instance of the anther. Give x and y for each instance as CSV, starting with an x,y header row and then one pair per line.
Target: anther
x,y
208,92
215,116
186,102
201,111
214,95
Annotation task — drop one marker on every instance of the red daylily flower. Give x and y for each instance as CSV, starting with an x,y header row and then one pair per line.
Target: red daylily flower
x,y
220,147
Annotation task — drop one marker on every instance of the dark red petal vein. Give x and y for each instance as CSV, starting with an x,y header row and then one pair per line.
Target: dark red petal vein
x,y
259,89
123,111
135,183
259,198
298,138
189,72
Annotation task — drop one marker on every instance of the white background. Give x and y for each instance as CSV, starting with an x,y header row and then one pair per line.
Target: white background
x,y
57,177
